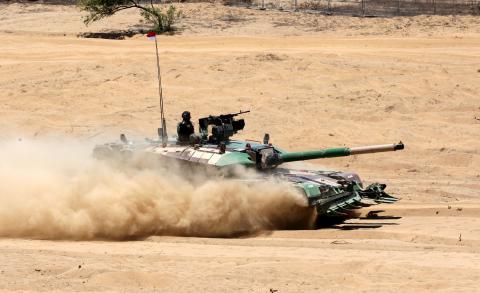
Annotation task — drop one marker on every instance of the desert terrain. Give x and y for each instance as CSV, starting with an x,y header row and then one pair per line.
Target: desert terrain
x,y
310,81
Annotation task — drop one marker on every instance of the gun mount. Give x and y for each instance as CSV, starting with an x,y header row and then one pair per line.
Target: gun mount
x,y
222,127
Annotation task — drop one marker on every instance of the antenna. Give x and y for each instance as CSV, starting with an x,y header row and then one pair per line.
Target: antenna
x,y
163,130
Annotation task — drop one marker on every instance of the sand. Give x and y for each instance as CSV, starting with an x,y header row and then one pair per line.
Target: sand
x,y
311,82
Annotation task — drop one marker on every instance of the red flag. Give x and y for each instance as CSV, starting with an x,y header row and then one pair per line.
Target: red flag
x,y
151,35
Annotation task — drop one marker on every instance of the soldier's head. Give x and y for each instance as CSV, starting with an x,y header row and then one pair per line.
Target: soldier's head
x,y
186,116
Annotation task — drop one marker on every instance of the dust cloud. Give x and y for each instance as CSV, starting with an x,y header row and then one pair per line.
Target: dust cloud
x,y
52,190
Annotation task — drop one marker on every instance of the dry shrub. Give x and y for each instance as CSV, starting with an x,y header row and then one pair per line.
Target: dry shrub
x,y
311,5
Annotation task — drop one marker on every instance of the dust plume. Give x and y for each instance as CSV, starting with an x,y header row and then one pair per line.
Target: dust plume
x,y
58,191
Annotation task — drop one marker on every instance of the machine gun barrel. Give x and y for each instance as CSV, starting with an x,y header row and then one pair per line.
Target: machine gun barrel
x,y
339,152
230,115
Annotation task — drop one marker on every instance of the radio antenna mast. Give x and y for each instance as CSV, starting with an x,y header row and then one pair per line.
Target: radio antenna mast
x,y
163,130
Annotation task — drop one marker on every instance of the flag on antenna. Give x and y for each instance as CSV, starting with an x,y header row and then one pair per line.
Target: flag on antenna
x,y
151,36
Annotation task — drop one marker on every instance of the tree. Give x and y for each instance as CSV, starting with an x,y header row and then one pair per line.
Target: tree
x,y
160,20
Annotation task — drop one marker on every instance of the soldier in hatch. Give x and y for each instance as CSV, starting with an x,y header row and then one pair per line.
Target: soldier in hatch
x,y
185,128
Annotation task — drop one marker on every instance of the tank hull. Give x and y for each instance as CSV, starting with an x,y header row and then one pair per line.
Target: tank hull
x,y
334,194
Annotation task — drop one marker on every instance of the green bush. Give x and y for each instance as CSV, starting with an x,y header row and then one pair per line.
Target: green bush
x,y
160,19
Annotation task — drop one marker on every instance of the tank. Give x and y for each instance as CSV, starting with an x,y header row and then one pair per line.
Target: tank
x,y
334,194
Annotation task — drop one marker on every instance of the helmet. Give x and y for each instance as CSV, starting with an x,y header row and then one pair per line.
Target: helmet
x,y
186,115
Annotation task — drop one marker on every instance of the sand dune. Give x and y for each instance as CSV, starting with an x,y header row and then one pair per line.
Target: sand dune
x,y
310,81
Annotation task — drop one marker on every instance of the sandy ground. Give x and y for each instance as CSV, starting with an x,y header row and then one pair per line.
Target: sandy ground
x,y
310,81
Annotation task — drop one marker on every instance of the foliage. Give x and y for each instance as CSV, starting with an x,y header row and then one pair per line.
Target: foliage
x,y
161,21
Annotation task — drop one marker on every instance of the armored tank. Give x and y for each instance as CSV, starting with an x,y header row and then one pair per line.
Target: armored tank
x,y
334,194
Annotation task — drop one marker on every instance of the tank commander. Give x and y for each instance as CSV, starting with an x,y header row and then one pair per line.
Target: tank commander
x,y
185,128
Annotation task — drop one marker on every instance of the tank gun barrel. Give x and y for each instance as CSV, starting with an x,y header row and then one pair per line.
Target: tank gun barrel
x,y
339,152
